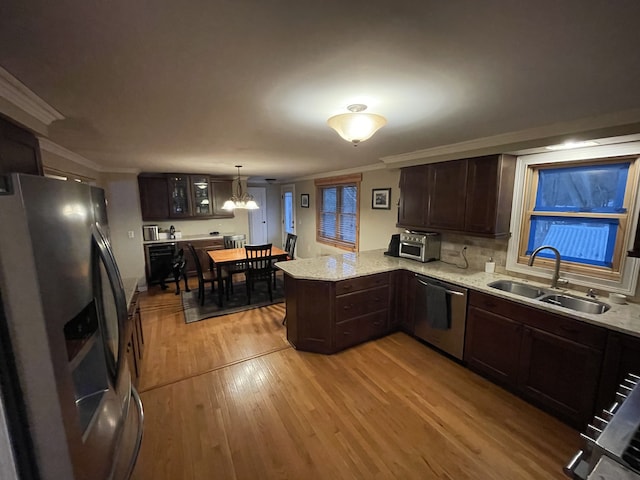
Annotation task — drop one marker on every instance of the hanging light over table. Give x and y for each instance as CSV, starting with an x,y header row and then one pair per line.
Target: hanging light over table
x,y
357,126
240,199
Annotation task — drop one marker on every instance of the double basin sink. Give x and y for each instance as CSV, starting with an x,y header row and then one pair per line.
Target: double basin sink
x,y
572,302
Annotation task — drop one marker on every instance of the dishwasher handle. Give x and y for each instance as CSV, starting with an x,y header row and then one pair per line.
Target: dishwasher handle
x,y
451,292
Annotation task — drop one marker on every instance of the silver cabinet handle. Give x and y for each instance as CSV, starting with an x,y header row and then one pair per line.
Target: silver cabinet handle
x,y
450,292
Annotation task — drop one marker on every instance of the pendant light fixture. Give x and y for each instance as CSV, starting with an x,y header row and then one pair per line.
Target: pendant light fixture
x,y
357,126
240,199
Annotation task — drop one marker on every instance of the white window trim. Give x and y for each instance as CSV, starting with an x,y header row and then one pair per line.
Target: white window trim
x,y
630,266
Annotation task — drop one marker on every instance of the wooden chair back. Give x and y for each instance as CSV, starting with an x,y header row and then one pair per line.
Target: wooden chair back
x,y
290,244
234,241
258,261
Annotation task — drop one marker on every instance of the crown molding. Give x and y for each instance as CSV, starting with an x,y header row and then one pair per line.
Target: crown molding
x,y
17,93
339,173
54,148
618,123
60,151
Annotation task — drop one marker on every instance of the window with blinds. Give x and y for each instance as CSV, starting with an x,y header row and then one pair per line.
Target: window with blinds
x,y
337,214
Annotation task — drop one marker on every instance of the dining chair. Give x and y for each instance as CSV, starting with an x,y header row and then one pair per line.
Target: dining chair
x,y
205,277
234,241
289,247
259,268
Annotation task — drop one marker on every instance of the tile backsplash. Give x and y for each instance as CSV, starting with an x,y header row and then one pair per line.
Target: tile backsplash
x,y
479,250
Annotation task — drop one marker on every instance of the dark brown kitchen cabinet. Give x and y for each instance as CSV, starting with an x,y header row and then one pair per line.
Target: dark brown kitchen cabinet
x,y
470,196
19,149
447,193
550,360
622,357
221,192
154,197
182,196
559,374
201,195
492,345
489,194
414,196
326,317
134,339
635,250
179,196
407,292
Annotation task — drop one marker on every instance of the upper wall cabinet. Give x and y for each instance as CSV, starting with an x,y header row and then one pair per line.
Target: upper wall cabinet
x,y
471,196
176,196
19,150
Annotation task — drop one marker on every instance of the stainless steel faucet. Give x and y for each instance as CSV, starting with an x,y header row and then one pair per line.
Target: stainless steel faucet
x,y
556,272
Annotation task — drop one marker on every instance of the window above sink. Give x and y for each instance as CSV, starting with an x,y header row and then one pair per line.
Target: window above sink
x,y
584,202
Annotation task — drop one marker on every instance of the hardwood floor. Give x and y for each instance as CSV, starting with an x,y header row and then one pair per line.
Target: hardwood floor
x,y
228,398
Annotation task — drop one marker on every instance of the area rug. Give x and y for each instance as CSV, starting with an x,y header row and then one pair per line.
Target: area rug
x,y
194,312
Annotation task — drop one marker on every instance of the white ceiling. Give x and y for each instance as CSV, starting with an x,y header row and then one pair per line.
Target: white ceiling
x,y
203,85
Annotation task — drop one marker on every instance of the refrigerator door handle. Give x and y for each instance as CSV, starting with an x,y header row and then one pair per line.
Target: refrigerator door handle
x,y
113,273
135,396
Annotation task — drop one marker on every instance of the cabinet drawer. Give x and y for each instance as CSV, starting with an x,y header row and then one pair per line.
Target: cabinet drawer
x,y
374,325
361,283
565,327
347,334
362,302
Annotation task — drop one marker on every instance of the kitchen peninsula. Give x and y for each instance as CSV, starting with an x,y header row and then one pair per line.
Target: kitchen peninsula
x,y
335,302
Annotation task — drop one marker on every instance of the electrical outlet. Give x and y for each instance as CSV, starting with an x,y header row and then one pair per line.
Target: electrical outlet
x,y
131,234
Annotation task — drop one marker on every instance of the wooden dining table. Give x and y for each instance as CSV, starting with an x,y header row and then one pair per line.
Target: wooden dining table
x,y
230,256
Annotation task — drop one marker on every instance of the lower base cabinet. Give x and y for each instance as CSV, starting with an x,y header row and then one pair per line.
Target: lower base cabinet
x,y
134,340
552,361
326,317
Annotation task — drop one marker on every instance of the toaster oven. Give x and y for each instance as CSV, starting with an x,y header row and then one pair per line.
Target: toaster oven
x,y
420,246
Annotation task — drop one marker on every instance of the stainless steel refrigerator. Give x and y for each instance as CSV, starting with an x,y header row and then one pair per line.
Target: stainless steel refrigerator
x,y
68,409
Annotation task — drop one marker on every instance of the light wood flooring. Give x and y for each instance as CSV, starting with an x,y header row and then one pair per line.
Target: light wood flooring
x,y
228,398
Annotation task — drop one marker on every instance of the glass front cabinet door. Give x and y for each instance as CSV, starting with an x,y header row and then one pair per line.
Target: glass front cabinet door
x,y
201,195
179,193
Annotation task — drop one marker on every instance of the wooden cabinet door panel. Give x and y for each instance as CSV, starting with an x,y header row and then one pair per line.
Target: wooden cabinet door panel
x,y
154,197
492,345
19,150
414,193
559,374
447,193
408,295
622,356
310,311
221,191
489,194
482,192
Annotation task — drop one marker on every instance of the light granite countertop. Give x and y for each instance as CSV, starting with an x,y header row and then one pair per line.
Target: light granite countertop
x,y
623,318
185,238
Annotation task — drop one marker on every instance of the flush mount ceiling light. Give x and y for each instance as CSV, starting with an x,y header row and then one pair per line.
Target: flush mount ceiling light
x,y
240,199
571,144
356,127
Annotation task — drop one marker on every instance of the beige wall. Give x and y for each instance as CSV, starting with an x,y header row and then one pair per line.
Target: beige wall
x,y
123,209
376,226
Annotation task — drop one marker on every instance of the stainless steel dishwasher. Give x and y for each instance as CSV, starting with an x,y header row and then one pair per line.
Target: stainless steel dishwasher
x,y
451,339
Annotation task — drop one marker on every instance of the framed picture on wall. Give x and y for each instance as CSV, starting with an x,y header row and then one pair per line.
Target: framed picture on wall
x,y
381,198
304,200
